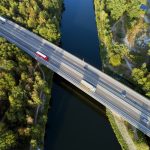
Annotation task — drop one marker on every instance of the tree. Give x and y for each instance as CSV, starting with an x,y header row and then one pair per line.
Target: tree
x,y
20,87
116,53
115,60
33,143
31,22
117,8
134,10
142,77
7,140
22,8
43,17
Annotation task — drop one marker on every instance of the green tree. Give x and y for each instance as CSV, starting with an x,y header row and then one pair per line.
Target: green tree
x,y
116,53
142,77
20,86
117,8
7,140
115,60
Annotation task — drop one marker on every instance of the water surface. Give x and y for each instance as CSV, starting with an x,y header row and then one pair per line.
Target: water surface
x,y
74,123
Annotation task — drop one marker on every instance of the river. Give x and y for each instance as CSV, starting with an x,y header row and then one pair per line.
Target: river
x,y
76,121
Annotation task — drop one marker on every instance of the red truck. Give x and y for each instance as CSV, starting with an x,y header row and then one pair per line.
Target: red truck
x,y
42,55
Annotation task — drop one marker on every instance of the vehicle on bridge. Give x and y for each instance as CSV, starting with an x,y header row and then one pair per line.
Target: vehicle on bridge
x,y
124,93
146,121
39,54
3,20
88,85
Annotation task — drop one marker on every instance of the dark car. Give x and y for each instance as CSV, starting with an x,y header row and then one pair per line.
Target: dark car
x,y
124,93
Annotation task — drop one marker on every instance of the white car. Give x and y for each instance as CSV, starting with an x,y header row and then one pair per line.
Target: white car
x,y
3,20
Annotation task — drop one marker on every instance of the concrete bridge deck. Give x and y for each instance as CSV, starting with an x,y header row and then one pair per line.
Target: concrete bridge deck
x,y
132,106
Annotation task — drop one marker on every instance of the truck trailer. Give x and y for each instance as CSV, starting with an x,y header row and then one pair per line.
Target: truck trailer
x,y
39,54
88,85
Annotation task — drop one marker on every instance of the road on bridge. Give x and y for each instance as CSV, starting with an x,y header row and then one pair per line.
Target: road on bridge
x,y
132,106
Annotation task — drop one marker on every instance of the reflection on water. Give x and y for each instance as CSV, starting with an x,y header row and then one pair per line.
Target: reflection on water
x,y
76,121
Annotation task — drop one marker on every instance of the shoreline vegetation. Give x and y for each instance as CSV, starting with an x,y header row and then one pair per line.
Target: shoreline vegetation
x,y
21,78
122,32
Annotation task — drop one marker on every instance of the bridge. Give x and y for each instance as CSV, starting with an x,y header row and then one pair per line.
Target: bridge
x,y
117,97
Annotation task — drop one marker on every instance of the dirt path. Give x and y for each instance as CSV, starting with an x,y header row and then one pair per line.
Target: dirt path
x,y
125,40
41,97
124,132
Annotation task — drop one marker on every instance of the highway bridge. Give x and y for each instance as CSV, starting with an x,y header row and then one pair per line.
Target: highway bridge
x,y
119,98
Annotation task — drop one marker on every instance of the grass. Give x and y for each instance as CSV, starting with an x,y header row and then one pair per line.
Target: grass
x,y
141,143
123,144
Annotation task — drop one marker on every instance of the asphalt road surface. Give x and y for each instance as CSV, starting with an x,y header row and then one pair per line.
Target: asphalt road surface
x,y
132,106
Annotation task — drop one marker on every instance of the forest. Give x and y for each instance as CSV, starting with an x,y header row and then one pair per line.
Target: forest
x,y
22,85
122,31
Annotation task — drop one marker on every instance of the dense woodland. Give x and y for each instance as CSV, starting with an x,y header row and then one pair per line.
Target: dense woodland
x,y
41,16
21,82
120,25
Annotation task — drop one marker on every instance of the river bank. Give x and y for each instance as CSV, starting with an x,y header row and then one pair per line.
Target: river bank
x,y
106,38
